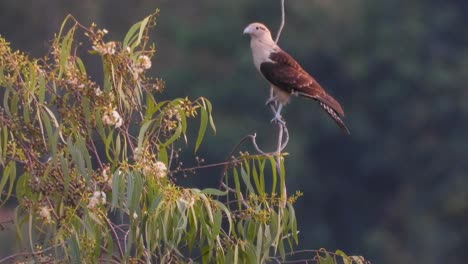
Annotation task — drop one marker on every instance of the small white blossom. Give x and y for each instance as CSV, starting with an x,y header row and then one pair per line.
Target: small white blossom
x,y
160,169
97,198
44,212
118,119
145,62
112,118
135,215
106,49
98,92
137,153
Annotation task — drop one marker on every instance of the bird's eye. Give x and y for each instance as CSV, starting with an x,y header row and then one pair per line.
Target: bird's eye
x,y
257,28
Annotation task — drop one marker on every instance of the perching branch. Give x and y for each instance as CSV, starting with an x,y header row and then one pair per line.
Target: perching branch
x,y
282,129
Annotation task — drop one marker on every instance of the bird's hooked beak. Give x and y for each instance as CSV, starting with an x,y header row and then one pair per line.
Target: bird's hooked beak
x,y
248,30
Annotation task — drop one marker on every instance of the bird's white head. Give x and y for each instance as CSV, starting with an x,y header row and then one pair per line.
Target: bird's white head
x,y
258,31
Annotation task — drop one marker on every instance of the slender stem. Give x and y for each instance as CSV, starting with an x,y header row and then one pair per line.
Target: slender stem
x,y
96,154
281,125
3,260
283,19
280,29
254,142
116,237
241,198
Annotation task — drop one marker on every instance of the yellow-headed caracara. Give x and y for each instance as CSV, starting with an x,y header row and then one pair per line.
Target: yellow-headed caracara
x,y
286,75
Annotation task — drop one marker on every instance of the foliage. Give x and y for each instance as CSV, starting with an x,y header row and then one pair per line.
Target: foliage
x,y
94,164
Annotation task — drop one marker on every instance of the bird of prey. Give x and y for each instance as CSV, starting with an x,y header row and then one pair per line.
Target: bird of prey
x,y
286,75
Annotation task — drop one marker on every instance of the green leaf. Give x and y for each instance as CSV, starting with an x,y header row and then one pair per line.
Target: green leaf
x,y
155,204
107,76
217,221
81,66
246,179
134,190
173,138
227,213
141,134
144,22
345,258
65,49
277,226
116,188
293,222
132,40
236,254
87,113
48,129
207,207
9,176
131,34
274,174
209,107
212,191
238,188
257,181
6,97
42,88
162,155
183,118
74,249
14,104
118,147
259,246
51,115
327,259
151,108
206,253
281,249
26,115
203,124
107,140
3,144
182,217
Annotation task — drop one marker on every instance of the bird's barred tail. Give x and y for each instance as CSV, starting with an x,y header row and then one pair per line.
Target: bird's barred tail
x,y
333,114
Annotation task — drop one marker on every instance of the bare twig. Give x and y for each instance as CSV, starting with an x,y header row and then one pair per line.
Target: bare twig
x,y
283,19
221,180
3,260
241,198
114,234
254,143
286,135
314,257
280,29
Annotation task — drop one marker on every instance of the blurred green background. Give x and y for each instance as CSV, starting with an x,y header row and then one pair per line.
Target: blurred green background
x,y
396,190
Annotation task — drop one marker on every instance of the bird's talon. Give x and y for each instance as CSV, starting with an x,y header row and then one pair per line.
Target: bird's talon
x,y
278,120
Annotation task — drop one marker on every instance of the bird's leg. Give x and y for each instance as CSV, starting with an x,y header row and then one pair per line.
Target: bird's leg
x,y
278,118
270,100
273,98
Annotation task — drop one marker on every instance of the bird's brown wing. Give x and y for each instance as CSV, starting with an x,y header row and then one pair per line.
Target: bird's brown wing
x,y
286,74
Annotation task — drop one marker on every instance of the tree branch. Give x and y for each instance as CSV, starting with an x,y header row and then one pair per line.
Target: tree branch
x,y
281,125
